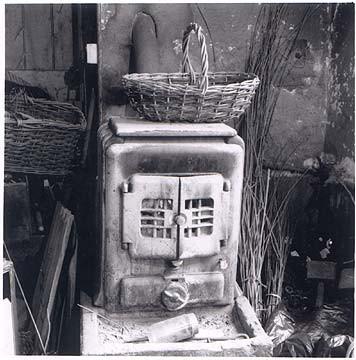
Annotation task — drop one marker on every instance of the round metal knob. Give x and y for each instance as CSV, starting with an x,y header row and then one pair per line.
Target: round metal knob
x,y
175,296
180,219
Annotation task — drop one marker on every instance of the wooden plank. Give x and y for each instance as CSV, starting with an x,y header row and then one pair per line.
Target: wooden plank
x,y
15,316
259,346
38,294
8,267
51,282
49,248
89,125
248,318
89,331
67,222
38,36
54,275
47,283
61,333
63,37
7,341
14,37
72,268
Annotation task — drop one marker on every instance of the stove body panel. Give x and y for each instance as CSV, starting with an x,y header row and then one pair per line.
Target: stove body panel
x,y
169,216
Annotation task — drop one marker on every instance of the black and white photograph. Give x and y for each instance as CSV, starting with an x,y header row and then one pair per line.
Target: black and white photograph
x,y
178,179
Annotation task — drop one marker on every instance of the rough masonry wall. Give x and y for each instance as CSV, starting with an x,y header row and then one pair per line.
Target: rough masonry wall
x,y
115,25
298,128
302,113
340,131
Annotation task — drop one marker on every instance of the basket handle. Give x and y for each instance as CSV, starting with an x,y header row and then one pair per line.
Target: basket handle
x,y
186,64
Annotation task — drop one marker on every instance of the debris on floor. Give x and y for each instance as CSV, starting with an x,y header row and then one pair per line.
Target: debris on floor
x,y
324,332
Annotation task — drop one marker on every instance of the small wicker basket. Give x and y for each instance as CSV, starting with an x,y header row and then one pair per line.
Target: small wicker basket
x,y
42,136
206,97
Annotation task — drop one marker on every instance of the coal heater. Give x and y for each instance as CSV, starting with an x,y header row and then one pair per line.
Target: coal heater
x,y
169,197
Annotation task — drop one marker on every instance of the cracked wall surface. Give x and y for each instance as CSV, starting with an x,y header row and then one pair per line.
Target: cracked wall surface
x,y
314,112
340,131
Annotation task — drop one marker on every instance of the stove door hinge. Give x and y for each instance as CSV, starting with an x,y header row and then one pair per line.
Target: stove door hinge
x,y
226,194
125,189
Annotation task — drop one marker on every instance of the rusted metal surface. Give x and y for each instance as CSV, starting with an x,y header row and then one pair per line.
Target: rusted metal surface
x,y
205,180
149,206
201,288
168,208
205,205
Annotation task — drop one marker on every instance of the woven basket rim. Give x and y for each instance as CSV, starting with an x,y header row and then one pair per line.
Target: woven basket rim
x,y
147,79
141,76
43,122
31,170
10,116
45,101
155,80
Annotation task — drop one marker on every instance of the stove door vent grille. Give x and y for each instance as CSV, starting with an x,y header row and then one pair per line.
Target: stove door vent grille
x,y
202,215
153,215
167,217
204,204
149,231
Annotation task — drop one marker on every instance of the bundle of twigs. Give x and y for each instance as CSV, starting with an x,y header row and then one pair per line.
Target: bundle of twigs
x,y
263,218
282,221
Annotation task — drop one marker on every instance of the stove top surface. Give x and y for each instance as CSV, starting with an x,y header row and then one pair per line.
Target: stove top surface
x,y
134,127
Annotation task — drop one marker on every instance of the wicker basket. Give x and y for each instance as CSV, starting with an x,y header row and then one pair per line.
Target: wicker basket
x,y
206,97
42,136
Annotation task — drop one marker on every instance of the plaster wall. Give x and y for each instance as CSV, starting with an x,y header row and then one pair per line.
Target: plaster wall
x,y
303,111
340,131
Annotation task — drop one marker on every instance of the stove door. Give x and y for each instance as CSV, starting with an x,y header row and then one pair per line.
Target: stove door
x,y
150,204
204,205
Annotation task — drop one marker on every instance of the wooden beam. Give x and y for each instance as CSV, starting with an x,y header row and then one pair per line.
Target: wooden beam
x,y
38,38
14,37
62,36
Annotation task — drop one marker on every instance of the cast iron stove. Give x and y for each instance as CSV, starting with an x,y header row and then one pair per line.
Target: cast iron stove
x,y
169,215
